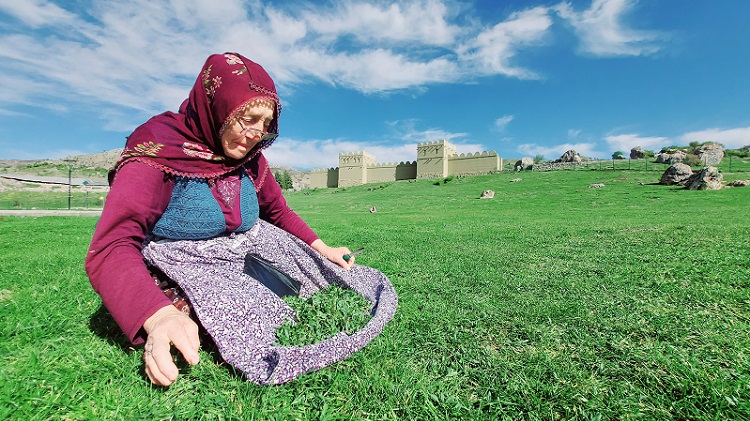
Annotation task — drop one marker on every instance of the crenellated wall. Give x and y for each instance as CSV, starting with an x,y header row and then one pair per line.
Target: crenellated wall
x,y
391,171
475,164
324,178
434,160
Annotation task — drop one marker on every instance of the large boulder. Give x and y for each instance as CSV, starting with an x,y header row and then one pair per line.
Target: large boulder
x,y
677,174
524,164
671,157
710,153
637,153
708,178
570,156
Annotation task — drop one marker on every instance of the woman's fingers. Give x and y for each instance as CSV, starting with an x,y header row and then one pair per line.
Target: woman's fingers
x,y
188,343
166,327
160,368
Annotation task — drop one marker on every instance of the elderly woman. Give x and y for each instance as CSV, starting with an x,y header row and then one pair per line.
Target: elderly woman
x,y
192,197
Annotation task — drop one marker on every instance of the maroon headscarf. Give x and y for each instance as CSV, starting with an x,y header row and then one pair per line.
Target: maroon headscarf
x,y
188,143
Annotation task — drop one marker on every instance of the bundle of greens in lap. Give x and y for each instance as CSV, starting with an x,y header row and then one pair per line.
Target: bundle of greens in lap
x,y
319,317
326,313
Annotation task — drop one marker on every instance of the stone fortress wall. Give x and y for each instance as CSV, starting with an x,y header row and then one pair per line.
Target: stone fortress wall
x,y
434,160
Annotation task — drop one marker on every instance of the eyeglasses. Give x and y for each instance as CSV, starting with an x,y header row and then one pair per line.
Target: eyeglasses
x,y
253,132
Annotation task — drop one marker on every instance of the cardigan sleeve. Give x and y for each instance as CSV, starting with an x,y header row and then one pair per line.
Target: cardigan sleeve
x,y
114,263
273,206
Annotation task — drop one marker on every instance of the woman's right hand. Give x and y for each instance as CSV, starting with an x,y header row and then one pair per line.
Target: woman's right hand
x,y
166,327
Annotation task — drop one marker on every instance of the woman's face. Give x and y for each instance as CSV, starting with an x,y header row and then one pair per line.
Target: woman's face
x,y
246,131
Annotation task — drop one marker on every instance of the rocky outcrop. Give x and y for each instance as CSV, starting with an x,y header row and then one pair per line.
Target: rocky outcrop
x,y
524,163
708,178
710,153
677,174
570,156
672,157
739,183
637,153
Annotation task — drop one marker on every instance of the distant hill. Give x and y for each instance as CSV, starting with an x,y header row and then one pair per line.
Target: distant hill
x,y
94,167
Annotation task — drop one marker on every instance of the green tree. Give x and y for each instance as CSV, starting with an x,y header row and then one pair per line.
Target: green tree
x,y
284,180
618,155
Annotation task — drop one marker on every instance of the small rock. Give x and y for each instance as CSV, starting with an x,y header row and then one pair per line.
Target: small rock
x,y
596,185
739,183
487,194
515,180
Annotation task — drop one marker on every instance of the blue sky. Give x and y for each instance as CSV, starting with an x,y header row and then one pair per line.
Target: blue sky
x,y
521,77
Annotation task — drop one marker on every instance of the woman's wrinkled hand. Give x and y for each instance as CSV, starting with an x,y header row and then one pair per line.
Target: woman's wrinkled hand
x,y
166,327
334,254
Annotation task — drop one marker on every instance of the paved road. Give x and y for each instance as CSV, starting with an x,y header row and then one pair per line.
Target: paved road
x,y
46,212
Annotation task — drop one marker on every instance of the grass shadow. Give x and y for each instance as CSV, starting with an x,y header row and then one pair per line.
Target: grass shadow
x,y
103,325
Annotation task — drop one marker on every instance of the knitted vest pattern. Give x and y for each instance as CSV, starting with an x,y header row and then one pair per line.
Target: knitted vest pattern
x,y
194,214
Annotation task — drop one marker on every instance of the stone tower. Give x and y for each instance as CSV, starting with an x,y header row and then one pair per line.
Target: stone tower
x,y
353,168
432,158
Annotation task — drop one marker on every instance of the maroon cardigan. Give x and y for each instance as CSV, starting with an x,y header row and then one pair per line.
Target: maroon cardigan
x,y
138,196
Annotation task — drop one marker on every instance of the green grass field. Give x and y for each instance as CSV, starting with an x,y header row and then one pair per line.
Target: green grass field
x,y
550,301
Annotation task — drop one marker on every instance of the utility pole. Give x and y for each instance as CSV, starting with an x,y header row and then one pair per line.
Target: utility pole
x,y
70,179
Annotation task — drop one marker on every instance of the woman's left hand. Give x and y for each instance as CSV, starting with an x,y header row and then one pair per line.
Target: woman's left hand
x,y
334,254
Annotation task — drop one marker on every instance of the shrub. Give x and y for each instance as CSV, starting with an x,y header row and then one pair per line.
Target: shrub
x,y
693,160
670,149
739,153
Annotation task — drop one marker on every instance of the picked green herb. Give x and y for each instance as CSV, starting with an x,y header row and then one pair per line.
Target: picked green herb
x,y
323,315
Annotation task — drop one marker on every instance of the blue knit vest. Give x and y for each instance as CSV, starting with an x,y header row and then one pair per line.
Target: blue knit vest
x,y
194,214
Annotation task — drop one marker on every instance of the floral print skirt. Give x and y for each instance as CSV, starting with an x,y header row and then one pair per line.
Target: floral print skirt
x,y
241,314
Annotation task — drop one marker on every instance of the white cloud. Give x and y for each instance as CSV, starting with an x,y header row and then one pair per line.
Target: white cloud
x,y
372,71
574,133
602,32
730,138
35,13
556,151
626,142
502,123
125,61
13,153
424,22
491,51
108,58
309,154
